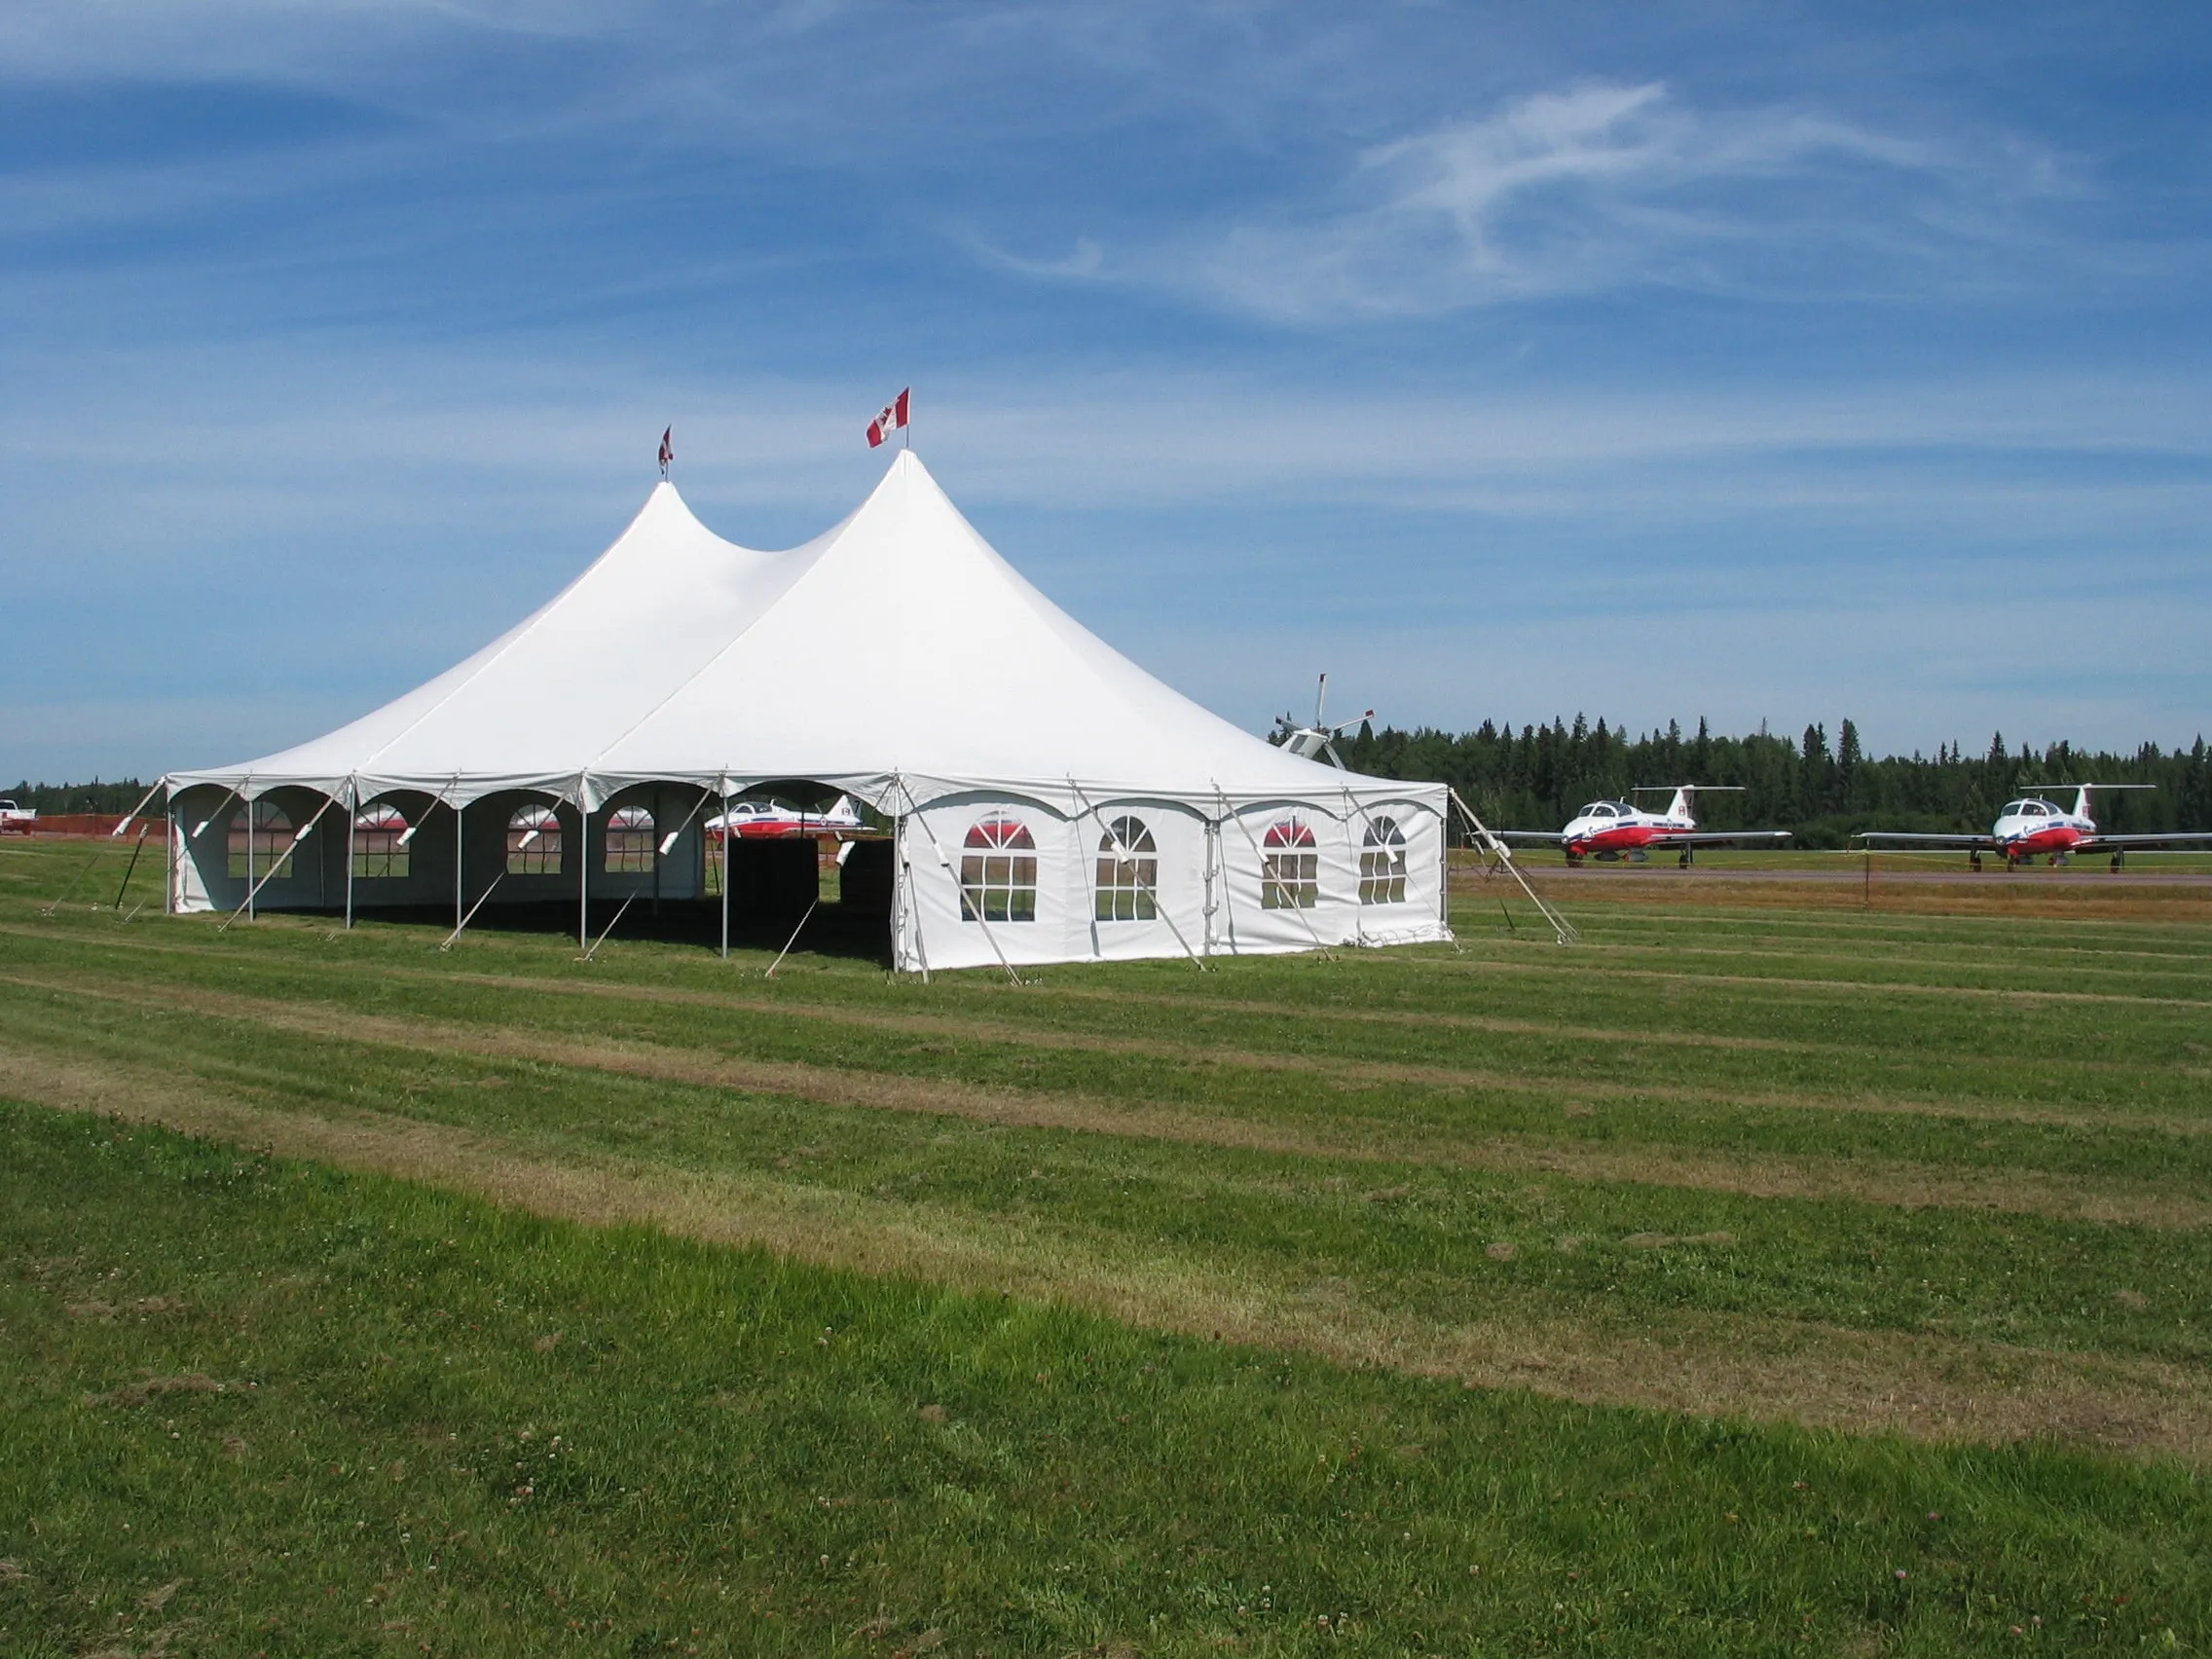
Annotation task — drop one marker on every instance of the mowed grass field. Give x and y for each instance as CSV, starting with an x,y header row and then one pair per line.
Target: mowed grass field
x,y
1760,1275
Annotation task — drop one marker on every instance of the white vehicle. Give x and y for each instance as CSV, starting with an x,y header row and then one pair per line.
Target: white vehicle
x,y
1608,829
16,820
2033,825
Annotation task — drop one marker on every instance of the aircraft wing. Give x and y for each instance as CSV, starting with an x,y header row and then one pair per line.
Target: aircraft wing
x,y
1908,839
2177,838
1720,838
1542,838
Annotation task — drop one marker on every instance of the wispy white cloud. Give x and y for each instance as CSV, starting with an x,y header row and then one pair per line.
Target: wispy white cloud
x,y
1602,186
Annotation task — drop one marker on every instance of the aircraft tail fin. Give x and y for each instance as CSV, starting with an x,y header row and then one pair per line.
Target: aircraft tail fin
x,y
1684,796
2081,793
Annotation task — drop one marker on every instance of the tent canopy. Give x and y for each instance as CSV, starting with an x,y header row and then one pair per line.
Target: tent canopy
x,y
897,657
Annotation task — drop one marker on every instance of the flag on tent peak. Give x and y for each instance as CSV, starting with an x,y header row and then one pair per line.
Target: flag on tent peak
x,y
893,418
666,448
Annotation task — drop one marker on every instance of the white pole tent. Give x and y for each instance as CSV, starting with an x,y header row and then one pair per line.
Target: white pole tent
x,y
1048,799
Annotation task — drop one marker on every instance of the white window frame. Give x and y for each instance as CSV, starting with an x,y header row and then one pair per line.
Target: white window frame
x,y
998,870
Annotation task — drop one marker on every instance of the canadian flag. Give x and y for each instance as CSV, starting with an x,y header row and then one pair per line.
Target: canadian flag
x,y
666,448
893,418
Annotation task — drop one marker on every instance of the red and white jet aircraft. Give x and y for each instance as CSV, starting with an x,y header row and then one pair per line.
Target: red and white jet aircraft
x,y
1608,829
767,820
2032,825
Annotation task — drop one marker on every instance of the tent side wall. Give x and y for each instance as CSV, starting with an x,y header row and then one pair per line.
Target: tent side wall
x,y
212,867
1263,878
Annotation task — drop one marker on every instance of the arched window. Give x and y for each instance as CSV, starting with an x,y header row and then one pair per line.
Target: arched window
x,y
998,872
378,851
629,841
1290,870
1383,863
534,842
1129,872
261,839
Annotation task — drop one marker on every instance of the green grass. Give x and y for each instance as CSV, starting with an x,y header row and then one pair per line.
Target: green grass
x,y
439,1423
1812,1159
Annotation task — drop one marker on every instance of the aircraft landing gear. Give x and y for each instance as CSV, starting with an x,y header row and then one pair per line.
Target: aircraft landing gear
x,y
2118,860
1973,860
1685,858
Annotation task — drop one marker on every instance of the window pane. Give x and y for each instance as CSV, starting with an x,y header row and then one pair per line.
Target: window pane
x,y
261,841
998,871
630,841
534,842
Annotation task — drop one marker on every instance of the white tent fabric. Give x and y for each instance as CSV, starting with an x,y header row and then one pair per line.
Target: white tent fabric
x,y
897,658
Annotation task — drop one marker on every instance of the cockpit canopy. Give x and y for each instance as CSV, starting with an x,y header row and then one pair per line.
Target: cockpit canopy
x,y
1608,809
2028,809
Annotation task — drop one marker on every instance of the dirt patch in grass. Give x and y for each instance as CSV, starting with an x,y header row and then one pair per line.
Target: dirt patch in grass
x,y
155,1388
1923,1387
1851,988
2078,896
1892,1184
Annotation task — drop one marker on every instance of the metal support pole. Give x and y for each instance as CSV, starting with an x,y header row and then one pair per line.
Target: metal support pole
x,y
291,851
1159,904
124,822
457,918
582,864
602,940
1561,929
793,940
251,886
352,824
722,797
136,847
1260,858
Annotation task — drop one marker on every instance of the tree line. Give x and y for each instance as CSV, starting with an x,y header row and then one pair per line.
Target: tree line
x,y
1821,791
95,797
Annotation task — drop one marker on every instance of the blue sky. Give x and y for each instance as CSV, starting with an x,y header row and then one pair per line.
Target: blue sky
x,y
1747,361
